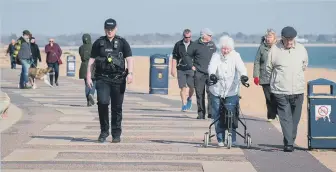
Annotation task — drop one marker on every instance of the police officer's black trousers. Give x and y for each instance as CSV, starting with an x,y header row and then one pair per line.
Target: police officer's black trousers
x,y
106,92
200,85
289,109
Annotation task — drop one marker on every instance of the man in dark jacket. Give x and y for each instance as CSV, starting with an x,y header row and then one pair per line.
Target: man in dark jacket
x,y
22,55
10,51
85,53
201,51
35,52
182,66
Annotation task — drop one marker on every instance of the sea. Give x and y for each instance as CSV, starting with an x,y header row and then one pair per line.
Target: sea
x,y
319,57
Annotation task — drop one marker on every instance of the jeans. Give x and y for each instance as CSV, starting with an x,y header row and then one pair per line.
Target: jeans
x,y
110,92
215,103
55,68
13,63
24,72
88,90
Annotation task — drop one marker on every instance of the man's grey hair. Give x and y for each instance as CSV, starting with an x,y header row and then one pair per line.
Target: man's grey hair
x,y
186,31
226,41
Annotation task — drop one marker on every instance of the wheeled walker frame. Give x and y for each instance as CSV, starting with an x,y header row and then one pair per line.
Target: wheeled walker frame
x,y
228,118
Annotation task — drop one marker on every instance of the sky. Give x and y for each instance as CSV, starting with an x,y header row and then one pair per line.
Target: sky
x,y
56,17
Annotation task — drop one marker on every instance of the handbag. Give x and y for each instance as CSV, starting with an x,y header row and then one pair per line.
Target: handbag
x,y
59,61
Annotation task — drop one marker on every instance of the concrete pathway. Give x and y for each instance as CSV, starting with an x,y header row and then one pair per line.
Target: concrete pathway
x,y
57,132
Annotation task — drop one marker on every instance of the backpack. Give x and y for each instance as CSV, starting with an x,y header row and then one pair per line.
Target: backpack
x,y
17,48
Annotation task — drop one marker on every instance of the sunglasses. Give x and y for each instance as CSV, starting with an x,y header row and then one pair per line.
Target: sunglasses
x,y
187,37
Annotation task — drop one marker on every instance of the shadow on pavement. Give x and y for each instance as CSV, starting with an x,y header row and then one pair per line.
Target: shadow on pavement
x,y
167,116
281,147
172,142
72,139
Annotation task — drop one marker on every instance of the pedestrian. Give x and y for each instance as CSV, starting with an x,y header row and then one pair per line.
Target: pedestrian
x,y
109,53
10,51
259,72
182,64
287,61
54,53
201,52
23,56
227,65
35,52
85,53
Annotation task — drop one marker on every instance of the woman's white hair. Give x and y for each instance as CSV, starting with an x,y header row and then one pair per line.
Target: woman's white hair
x,y
226,41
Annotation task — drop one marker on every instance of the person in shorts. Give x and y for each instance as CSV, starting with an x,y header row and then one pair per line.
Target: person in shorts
x,y
182,65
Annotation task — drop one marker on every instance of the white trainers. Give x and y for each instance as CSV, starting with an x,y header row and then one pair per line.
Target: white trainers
x,y
221,144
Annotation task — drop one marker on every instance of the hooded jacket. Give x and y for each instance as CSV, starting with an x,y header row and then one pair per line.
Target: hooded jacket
x,y
85,53
259,69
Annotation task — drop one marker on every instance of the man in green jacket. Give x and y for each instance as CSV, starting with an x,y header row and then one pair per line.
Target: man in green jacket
x,y
85,52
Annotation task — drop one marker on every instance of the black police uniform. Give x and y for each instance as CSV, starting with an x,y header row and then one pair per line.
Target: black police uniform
x,y
110,82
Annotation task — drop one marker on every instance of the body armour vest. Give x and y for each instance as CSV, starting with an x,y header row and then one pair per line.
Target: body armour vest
x,y
111,59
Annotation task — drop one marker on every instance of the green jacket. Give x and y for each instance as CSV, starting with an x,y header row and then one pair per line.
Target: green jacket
x,y
85,53
259,69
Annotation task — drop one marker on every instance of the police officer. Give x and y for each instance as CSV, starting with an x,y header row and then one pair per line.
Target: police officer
x,y
108,55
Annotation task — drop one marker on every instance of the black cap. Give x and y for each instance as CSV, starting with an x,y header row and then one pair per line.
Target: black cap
x,y
288,32
26,32
110,24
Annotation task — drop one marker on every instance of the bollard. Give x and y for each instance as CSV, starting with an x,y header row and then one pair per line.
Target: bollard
x,y
321,116
159,74
71,65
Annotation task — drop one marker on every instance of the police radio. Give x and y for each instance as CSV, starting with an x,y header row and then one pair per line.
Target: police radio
x,y
109,58
115,44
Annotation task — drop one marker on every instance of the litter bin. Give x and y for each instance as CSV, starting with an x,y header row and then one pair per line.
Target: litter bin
x,y
321,116
159,74
71,65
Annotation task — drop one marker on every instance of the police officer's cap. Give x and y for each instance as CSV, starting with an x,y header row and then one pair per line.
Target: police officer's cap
x,y
110,24
288,32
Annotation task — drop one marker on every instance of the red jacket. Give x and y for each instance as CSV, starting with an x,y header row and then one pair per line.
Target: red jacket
x,y
53,53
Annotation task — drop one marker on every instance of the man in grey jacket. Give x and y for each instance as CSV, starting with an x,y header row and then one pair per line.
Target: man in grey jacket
x,y
24,55
287,61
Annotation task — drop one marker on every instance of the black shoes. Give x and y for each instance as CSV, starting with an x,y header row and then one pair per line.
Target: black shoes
x,y
200,117
209,116
116,140
288,148
102,138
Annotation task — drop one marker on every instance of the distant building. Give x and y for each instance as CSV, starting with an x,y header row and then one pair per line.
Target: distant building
x,y
301,40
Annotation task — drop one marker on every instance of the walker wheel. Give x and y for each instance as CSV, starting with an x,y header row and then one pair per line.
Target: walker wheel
x,y
248,140
229,141
206,139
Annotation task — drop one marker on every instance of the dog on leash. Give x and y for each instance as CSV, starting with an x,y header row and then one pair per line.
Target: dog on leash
x,y
40,74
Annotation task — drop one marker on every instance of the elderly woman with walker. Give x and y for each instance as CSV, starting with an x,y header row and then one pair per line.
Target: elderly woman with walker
x,y
226,72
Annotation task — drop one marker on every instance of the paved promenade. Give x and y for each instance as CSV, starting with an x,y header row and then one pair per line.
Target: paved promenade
x,y
57,132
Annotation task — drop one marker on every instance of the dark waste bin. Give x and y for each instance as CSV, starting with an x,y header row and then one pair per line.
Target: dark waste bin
x,y
159,74
321,115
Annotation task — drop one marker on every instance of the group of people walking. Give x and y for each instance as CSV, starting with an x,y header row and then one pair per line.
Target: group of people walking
x,y
26,52
278,68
